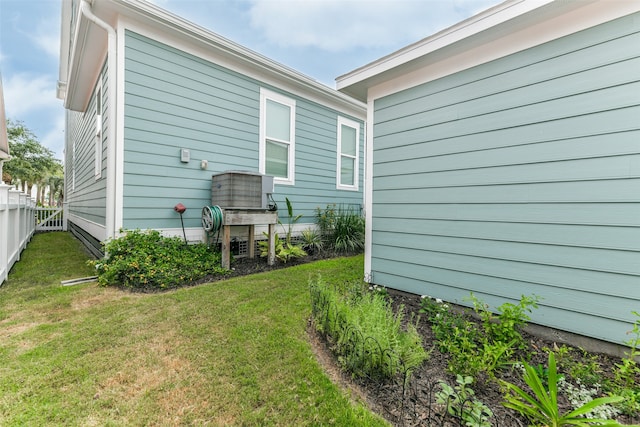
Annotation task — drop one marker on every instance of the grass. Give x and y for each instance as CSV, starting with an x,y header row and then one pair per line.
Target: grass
x,y
234,352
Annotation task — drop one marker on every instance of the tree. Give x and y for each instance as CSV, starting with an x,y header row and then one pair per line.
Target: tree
x,y
31,163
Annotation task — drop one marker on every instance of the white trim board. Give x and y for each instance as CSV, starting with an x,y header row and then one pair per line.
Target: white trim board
x,y
510,27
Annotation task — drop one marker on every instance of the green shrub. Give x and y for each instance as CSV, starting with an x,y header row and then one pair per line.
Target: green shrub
x,y
148,260
342,229
369,337
473,349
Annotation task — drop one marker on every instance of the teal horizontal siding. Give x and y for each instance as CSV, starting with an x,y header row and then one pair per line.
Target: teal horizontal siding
x,y
88,199
612,214
517,177
175,100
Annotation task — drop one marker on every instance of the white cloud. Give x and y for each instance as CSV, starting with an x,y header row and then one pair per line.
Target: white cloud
x,y
54,138
26,92
339,25
46,36
31,99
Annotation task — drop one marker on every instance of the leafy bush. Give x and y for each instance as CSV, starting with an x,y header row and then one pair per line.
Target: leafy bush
x,y
369,337
475,350
283,251
342,229
148,260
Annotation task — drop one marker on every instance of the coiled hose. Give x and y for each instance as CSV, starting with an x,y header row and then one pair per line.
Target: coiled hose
x,y
212,217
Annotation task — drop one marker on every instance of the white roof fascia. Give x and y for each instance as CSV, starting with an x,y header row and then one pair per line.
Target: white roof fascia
x,y
502,30
146,13
65,35
460,31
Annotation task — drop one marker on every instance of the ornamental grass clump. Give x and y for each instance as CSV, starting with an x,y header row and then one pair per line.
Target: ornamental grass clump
x,y
341,228
367,335
146,260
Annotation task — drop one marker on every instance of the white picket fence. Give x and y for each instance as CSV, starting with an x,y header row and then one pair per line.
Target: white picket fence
x,y
17,225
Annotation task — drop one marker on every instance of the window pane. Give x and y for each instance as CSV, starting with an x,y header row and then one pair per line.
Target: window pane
x,y
348,141
346,171
277,159
278,121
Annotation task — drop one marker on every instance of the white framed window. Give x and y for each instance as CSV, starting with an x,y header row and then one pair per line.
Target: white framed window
x,y
98,134
277,136
348,154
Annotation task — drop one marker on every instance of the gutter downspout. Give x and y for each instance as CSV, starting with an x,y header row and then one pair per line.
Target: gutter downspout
x,y
112,46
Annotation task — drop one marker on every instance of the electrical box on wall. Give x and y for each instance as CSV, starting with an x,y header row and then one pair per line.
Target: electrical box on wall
x,y
185,155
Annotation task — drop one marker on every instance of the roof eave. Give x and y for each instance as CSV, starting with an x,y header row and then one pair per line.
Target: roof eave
x,y
75,87
357,82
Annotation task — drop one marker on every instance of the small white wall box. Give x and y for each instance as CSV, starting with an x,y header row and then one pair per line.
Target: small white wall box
x,y
185,155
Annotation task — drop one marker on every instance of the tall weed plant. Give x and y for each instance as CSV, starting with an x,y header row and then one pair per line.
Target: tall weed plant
x,y
146,260
368,335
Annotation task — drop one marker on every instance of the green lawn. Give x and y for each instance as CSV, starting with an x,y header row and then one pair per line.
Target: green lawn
x,y
233,352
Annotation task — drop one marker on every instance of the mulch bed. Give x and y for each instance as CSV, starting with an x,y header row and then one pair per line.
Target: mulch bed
x,y
414,403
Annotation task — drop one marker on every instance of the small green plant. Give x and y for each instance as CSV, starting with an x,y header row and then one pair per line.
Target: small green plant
x,y
284,250
542,372
541,405
148,260
460,402
627,372
312,241
380,290
580,394
506,325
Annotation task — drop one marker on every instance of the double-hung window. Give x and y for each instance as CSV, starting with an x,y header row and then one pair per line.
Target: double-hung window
x,y
277,136
348,154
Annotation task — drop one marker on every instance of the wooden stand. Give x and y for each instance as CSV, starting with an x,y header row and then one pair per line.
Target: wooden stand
x,y
250,217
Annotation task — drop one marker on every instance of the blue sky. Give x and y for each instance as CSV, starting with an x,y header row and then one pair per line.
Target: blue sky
x,y
320,38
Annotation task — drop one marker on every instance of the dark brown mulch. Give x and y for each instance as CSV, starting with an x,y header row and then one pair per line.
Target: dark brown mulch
x,y
414,403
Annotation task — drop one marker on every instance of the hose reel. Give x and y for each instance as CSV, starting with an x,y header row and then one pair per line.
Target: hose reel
x,y
211,219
